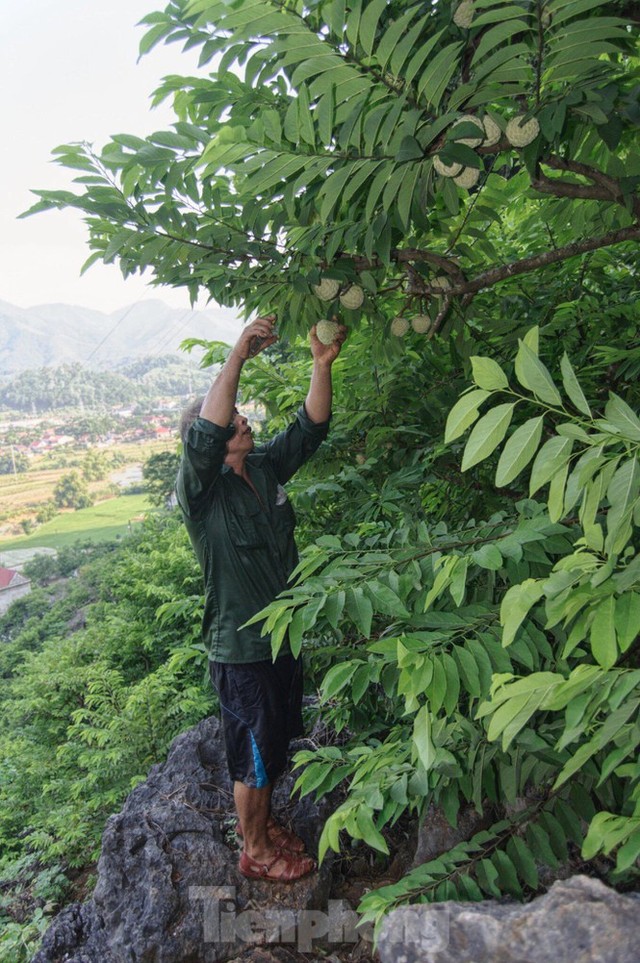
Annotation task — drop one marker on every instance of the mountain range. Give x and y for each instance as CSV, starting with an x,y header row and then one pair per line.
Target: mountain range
x,y
50,334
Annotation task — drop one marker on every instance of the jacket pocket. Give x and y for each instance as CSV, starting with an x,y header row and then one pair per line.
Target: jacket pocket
x,y
245,529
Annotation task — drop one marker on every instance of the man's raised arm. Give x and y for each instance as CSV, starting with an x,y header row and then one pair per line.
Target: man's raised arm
x,y
220,400
318,400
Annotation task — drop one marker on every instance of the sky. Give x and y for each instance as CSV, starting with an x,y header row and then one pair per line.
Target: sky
x,y
69,72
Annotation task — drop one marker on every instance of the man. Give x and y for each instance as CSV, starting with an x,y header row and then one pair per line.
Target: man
x,y
241,526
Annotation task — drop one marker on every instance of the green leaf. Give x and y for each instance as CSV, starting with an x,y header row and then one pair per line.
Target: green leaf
x,y
438,73
422,737
389,41
385,599
507,873
406,47
463,414
459,581
489,557
368,831
279,631
629,852
487,876
337,678
623,417
360,610
488,374
330,836
555,503
515,606
553,455
452,689
333,608
623,492
497,36
510,717
333,188
296,631
369,23
468,670
627,619
487,435
523,860
519,450
533,375
540,846
603,633
572,386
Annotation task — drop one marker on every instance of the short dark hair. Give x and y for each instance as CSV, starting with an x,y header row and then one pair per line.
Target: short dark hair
x,y
189,415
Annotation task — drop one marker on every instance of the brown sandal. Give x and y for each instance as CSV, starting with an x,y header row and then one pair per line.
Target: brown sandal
x,y
295,867
280,837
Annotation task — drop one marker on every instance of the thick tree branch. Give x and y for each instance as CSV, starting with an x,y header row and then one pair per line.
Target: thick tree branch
x,y
504,272
528,264
602,188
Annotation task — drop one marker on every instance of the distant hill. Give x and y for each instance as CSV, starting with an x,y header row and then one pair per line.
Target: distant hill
x,y
73,385
51,334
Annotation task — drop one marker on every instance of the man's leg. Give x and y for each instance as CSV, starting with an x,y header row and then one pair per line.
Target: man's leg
x,y
254,808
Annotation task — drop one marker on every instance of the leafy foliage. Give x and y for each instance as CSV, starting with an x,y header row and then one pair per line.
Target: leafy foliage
x,y
311,150
72,492
159,473
95,687
476,664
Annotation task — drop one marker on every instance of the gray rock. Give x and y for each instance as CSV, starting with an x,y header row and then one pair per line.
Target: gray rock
x,y
579,920
168,888
437,836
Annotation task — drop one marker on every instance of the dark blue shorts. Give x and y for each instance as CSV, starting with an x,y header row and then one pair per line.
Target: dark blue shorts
x,y
261,711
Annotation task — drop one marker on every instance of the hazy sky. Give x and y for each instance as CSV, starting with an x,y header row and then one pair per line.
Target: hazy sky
x,y
68,72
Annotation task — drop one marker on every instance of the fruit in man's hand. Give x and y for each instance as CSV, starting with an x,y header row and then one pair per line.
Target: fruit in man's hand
x,y
352,298
327,331
327,289
520,132
463,17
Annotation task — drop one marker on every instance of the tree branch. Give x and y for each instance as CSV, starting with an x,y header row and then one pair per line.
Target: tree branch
x,y
505,271
602,188
527,264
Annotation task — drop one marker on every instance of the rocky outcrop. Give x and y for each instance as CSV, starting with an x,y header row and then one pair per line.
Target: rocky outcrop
x,y
168,888
436,835
169,891
580,920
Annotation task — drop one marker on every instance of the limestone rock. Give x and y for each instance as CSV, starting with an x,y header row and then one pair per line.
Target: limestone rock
x,y
163,855
437,836
580,920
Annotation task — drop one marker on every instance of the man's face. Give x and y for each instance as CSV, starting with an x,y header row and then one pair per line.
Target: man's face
x,y
241,442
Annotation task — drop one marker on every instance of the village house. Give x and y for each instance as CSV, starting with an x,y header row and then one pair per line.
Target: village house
x,y
12,586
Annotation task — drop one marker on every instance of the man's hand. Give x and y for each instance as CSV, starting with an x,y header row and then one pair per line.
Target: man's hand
x,y
326,354
256,337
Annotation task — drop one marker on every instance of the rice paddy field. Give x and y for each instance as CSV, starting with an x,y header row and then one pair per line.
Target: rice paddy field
x,y
102,522
22,495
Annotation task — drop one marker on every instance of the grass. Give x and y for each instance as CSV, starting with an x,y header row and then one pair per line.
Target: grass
x,y
99,523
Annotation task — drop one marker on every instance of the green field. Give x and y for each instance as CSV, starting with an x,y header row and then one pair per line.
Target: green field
x,y
98,523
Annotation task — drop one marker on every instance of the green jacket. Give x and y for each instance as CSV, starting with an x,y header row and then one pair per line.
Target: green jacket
x,y
245,546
